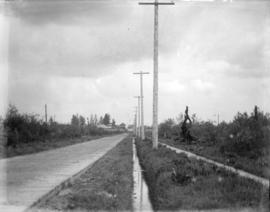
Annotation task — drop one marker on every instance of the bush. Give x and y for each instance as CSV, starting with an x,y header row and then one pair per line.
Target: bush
x,y
27,128
23,128
247,135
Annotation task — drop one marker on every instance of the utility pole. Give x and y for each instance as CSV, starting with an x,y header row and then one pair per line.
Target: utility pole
x,y
139,116
142,113
155,83
135,123
46,113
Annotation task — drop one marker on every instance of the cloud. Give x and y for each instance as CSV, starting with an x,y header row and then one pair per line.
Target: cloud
x,y
4,37
237,35
203,86
99,36
41,12
86,48
79,57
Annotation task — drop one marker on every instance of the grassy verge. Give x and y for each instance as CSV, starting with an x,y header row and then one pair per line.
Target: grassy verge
x,y
257,166
39,146
107,185
194,184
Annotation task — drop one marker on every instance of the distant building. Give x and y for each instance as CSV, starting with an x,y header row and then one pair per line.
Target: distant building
x,y
130,127
122,126
103,126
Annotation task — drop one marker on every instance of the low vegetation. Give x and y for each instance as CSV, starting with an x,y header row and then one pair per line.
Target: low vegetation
x,y
242,143
178,182
28,133
107,185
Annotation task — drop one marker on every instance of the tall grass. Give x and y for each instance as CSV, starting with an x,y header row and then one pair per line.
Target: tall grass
x,y
178,182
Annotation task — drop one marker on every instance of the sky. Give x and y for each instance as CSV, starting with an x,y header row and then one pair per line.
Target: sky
x,y
79,57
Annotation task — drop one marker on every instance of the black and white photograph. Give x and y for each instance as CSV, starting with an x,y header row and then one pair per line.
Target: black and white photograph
x,y
134,105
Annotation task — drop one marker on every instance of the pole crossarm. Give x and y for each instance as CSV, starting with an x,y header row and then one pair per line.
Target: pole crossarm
x,y
156,3
141,73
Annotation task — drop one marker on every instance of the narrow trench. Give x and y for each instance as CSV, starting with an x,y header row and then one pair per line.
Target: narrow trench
x,y
141,200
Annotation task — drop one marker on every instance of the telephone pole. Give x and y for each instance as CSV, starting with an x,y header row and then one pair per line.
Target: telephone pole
x,y
155,83
139,116
135,122
142,113
46,113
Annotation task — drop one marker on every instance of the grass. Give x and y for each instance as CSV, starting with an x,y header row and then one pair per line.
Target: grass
x,y
107,185
195,184
39,146
259,166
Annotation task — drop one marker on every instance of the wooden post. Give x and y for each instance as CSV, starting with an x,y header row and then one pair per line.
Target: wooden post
x,y
155,79
142,97
46,113
139,116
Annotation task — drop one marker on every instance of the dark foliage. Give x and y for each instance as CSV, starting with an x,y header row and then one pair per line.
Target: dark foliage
x,y
247,135
27,128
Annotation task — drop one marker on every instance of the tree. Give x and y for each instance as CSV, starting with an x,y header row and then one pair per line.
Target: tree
x,y
81,121
113,123
92,121
51,121
75,120
122,126
95,119
106,119
100,120
165,128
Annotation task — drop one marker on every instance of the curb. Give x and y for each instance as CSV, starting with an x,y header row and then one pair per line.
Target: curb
x,y
36,205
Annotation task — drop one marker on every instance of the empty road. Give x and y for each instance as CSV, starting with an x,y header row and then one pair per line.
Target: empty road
x,y
24,179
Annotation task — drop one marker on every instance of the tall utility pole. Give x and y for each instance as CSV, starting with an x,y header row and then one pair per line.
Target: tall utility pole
x,y
142,115
135,123
46,113
139,115
155,83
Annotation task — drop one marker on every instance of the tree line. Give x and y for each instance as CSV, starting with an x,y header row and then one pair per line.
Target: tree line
x,y
27,128
246,135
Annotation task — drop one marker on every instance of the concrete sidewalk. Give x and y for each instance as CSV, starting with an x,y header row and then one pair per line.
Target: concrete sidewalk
x,y
25,179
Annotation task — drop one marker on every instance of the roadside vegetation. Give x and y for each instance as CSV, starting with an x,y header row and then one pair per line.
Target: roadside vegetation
x,y
107,185
28,133
178,182
242,143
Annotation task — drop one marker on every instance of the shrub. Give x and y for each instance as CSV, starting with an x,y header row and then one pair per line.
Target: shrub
x,y
27,128
247,135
